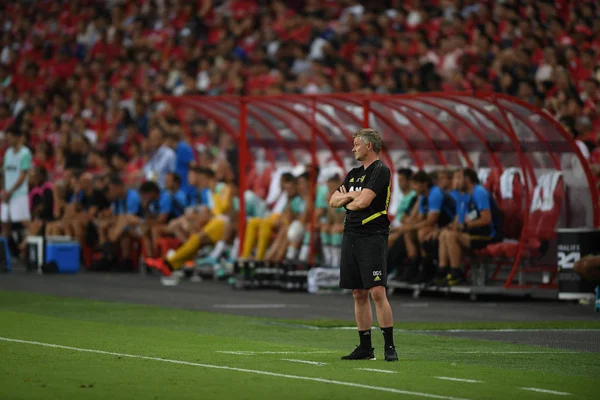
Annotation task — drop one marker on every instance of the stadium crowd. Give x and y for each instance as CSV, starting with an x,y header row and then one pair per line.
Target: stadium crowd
x,y
78,81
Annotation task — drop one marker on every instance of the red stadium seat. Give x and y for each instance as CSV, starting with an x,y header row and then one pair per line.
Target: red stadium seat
x,y
540,228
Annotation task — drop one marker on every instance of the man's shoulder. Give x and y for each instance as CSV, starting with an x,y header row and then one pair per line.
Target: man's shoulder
x,y
25,151
480,192
166,151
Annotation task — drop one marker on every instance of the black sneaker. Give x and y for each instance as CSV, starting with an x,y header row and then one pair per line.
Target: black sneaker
x,y
390,354
361,354
456,277
441,277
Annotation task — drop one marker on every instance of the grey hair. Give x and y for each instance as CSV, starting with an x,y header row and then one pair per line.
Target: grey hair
x,y
368,135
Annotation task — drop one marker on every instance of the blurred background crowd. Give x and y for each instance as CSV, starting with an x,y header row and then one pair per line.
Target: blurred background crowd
x,y
78,78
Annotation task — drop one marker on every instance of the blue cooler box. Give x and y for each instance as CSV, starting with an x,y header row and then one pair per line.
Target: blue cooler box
x,y
65,255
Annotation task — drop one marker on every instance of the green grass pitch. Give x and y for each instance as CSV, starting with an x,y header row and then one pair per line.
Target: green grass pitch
x,y
65,348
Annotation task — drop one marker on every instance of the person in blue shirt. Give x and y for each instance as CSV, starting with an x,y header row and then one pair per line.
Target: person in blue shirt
x,y
158,208
459,196
436,210
179,204
125,215
475,232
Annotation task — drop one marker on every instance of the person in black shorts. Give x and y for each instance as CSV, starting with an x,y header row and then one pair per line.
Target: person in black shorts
x,y
365,194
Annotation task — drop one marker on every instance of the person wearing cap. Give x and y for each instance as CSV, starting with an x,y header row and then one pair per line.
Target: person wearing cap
x,y
15,196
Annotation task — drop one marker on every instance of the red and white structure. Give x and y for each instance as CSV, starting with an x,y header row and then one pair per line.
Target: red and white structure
x,y
525,157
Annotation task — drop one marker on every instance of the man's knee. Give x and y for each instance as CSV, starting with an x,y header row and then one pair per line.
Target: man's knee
x,y
378,294
360,295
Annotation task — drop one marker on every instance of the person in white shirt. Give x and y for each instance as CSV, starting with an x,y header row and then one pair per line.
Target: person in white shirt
x,y
162,160
15,196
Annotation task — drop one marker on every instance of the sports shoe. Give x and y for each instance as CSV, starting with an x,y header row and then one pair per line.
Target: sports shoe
x,y
390,354
160,265
456,277
441,277
360,354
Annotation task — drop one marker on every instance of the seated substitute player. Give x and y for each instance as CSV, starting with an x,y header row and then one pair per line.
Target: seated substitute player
x,y
179,201
158,208
290,219
332,226
477,231
211,234
396,243
126,212
436,210
365,193
197,213
259,230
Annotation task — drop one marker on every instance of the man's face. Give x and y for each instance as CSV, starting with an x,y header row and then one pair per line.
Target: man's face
x,y
12,139
148,197
290,188
202,181
86,182
403,182
458,181
420,188
155,139
444,181
113,191
302,185
360,149
192,178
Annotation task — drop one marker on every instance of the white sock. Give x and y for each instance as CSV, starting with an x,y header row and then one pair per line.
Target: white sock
x,y
327,253
218,250
304,252
235,249
292,252
336,256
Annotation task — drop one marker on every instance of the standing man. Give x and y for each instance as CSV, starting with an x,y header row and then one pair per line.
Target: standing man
x,y
365,194
162,160
15,197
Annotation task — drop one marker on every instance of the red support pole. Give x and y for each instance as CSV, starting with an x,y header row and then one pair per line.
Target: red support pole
x,y
313,178
366,111
243,160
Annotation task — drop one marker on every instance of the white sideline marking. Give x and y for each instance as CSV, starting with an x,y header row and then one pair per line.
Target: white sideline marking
x,y
320,364
532,389
258,306
251,371
447,378
516,352
253,353
385,371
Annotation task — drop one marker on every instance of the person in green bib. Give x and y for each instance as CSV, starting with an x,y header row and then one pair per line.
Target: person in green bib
x,y
332,223
293,210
